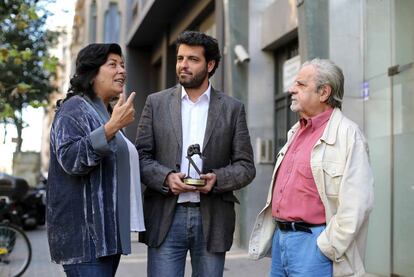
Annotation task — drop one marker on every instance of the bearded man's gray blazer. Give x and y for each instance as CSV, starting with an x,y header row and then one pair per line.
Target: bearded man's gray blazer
x,y
228,153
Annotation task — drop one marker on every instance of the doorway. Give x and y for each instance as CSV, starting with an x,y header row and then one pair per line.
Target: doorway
x,y
284,117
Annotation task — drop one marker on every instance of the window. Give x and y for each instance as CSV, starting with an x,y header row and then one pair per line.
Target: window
x,y
132,10
92,23
112,24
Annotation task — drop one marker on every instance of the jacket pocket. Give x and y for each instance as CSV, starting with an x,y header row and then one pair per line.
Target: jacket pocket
x,y
351,263
333,173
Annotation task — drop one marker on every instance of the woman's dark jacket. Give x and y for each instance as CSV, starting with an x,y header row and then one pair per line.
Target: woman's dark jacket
x,y
82,185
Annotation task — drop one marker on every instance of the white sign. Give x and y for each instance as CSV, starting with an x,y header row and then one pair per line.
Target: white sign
x,y
290,69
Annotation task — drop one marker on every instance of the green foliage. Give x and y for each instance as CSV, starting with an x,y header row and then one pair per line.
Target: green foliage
x,y
26,67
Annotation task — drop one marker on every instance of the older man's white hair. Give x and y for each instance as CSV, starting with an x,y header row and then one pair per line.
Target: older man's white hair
x,y
328,73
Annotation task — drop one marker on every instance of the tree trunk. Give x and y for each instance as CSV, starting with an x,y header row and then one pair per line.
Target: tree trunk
x,y
19,128
5,131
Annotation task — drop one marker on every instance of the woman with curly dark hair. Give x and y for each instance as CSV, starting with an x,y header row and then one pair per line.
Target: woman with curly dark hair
x,y
94,191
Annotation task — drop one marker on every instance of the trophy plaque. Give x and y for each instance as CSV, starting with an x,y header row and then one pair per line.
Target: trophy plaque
x,y
192,150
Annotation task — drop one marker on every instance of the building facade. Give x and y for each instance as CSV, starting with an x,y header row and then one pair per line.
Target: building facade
x,y
98,21
371,40
61,83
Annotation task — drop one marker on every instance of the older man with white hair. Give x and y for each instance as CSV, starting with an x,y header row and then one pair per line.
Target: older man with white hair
x,y
316,215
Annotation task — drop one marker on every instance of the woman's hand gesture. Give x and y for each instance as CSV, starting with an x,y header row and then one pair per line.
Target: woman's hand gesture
x,y
122,115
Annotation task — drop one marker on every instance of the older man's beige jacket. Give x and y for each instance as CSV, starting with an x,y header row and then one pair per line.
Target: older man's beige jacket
x,y
343,176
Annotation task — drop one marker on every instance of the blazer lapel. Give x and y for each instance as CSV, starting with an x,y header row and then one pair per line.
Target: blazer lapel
x,y
175,112
214,110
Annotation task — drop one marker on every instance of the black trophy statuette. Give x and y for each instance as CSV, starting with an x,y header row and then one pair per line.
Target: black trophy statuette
x,y
192,150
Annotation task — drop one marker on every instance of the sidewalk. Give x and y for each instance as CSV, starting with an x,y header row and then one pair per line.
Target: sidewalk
x,y
237,263
135,265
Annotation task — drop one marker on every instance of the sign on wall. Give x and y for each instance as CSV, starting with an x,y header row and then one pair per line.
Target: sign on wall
x,y
290,69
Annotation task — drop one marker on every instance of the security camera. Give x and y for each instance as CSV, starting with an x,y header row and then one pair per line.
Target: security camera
x,y
241,54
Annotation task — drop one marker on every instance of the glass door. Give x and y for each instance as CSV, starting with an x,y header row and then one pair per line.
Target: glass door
x,y
389,127
402,96
402,119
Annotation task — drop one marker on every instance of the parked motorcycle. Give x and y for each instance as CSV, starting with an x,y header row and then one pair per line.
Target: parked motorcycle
x,y
27,205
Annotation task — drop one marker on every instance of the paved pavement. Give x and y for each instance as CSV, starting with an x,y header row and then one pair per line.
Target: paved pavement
x,y
40,265
237,261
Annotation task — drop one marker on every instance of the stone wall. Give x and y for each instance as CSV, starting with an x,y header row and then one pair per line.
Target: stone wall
x,y
27,165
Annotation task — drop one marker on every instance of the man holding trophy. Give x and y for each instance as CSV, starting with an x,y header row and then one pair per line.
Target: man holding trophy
x,y
192,150
195,150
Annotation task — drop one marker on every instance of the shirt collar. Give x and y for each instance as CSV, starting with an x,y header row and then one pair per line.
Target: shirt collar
x,y
206,94
316,121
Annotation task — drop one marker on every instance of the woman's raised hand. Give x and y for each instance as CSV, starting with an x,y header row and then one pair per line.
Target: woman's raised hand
x,y
122,115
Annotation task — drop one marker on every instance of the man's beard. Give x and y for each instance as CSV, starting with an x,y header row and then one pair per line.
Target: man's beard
x,y
294,107
196,81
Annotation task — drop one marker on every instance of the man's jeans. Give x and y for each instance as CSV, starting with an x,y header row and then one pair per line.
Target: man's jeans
x,y
296,254
97,267
186,233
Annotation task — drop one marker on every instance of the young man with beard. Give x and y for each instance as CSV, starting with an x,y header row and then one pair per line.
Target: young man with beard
x,y
181,217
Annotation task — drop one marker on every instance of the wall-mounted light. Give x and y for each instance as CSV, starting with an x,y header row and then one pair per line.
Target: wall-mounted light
x,y
241,54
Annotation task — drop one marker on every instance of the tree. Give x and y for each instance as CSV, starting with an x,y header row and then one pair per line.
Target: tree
x,y
26,67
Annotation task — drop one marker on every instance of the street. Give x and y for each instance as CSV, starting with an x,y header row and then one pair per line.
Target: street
x,y
237,261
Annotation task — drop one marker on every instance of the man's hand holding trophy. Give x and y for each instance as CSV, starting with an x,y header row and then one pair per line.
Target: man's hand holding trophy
x,y
180,182
193,149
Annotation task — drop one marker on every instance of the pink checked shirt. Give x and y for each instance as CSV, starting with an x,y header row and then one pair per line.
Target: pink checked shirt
x,y
295,196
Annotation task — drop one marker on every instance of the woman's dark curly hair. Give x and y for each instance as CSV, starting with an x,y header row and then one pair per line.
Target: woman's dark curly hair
x,y
88,62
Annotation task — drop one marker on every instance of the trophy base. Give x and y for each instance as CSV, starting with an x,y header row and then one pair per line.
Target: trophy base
x,y
194,182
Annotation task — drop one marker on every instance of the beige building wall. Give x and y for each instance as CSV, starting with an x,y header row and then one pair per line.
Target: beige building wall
x,y
62,52
82,24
